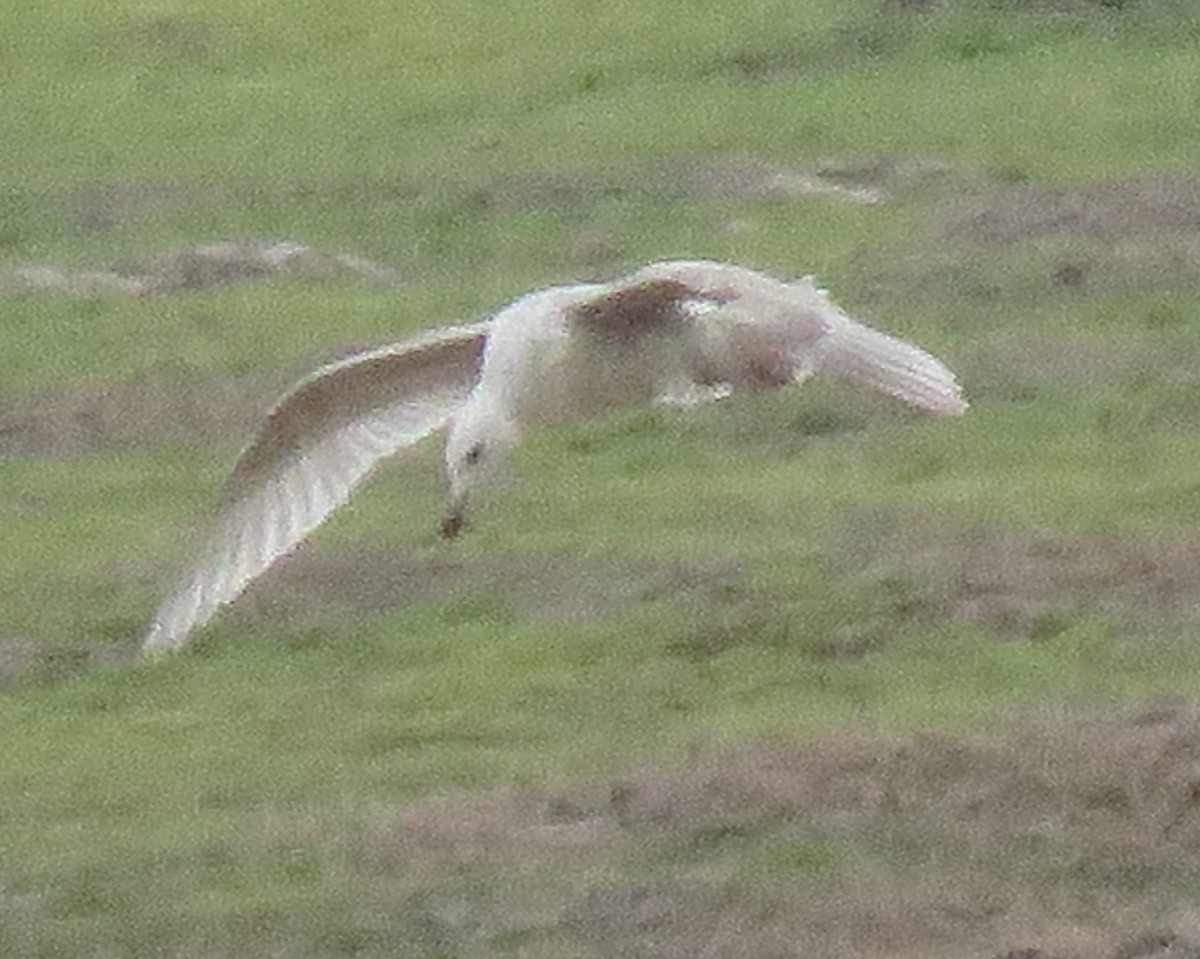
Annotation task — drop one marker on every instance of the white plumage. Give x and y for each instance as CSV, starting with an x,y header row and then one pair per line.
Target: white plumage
x,y
679,332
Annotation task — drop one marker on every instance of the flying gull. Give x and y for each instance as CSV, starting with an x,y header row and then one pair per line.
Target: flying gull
x,y
680,332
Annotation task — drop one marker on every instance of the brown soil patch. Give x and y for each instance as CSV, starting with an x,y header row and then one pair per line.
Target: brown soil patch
x,y
547,589
1022,585
197,268
737,179
24,281
15,657
1064,835
225,263
1017,370
1009,244
1106,211
90,418
115,204
885,573
756,180
24,661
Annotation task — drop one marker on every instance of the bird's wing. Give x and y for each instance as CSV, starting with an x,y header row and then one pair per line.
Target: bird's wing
x,y
861,354
767,332
317,444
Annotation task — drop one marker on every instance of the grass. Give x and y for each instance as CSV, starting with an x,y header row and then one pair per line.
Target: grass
x,y
561,743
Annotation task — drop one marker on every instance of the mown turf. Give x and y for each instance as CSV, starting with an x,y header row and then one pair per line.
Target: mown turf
x,y
794,674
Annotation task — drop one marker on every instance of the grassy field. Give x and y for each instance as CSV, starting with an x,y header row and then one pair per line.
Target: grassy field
x,y
793,675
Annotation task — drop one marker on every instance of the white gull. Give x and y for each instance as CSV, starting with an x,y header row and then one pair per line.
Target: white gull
x,y
680,332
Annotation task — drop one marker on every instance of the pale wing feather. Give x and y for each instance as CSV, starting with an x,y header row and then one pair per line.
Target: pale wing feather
x,y
315,448
769,331
858,353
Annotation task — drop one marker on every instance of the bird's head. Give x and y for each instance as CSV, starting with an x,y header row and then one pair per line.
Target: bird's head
x,y
480,440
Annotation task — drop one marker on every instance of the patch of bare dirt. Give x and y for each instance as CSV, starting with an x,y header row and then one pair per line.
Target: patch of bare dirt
x,y
755,180
1043,7
1017,370
20,281
556,590
1107,211
739,179
1065,835
1024,585
198,268
160,404
1003,244
114,204
221,264
90,418
15,656
23,661
562,192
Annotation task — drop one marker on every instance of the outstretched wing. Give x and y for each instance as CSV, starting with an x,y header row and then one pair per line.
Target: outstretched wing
x,y
859,353
768,332
317,444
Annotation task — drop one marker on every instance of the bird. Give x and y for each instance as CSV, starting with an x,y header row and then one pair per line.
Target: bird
x,y
676,332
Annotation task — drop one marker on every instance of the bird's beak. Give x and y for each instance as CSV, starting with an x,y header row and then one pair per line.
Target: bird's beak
x,y
455,520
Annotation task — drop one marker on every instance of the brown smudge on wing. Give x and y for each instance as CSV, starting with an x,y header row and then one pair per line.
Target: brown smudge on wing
x,y
628,314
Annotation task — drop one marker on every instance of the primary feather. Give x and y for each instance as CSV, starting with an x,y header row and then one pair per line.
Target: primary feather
x,y
315,447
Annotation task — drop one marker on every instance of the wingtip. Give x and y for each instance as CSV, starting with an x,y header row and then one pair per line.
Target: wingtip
x,y
157,643
954,404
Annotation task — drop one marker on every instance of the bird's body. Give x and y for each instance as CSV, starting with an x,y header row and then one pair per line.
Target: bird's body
x,y
582,368
679,332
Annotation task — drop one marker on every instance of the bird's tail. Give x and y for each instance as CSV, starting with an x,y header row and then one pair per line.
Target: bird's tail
x,y
859,353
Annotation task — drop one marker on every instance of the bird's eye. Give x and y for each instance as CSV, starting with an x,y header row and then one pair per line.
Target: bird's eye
x,y
474,454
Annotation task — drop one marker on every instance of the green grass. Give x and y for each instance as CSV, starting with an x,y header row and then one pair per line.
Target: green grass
x,y
787,569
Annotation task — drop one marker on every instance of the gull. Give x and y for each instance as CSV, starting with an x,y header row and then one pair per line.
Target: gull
x,y
681,333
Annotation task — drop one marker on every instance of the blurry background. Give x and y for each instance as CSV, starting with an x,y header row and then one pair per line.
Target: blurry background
x,y
792,675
